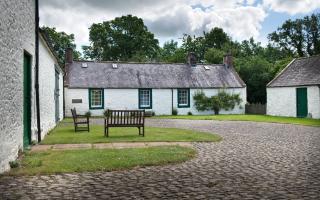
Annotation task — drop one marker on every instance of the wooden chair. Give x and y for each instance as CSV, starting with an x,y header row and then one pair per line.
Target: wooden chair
x,y
81,122
124,118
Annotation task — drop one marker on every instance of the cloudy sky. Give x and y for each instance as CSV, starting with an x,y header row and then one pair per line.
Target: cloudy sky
x,y
170,19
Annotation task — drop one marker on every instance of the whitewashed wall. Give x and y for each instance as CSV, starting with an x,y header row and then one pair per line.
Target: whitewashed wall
x,y
47,69
16,36
161,101
281,101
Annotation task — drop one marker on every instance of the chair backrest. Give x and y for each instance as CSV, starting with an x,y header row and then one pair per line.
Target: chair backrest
x,y
74,114
125,117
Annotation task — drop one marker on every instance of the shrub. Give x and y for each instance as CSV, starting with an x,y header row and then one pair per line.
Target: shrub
x,y
14,164
105,113
222,100
88,114
174,111
189,113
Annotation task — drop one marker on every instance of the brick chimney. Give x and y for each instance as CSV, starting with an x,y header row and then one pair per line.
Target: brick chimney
x,y
68,62
228,60
69,55
192,59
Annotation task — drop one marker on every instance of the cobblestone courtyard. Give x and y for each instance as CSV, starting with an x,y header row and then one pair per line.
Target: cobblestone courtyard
x,y
254,161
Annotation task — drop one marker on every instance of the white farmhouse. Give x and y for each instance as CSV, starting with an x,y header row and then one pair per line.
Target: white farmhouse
x,y
157,87
18,80
295,92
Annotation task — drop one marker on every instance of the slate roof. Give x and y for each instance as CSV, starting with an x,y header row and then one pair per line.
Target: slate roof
x,y
300,72
151,75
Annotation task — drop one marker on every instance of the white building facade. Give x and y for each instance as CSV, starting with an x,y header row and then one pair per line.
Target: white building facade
x,y
18,127
158,88
295,92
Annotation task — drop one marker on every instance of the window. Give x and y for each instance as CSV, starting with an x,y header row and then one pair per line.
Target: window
x,y
96,99
145,99
183,98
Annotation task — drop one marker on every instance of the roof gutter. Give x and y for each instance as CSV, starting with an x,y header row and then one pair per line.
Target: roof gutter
x,y
37,69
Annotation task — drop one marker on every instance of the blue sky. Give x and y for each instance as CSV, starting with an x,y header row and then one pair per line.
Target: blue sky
x,y
170,19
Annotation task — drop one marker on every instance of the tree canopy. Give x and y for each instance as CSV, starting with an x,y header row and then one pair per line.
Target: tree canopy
x,y
60,41
124,38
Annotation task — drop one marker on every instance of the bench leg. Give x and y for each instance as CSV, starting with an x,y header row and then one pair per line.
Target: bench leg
x,y
139,130
106,131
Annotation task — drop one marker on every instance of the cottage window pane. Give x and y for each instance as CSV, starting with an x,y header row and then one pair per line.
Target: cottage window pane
x,y
96,98
145,98
183,97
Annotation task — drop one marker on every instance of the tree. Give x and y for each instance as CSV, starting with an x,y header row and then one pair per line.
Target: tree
x,y
214,56
194,44
216,38
301,36
124,38
168,51
256,72
60,41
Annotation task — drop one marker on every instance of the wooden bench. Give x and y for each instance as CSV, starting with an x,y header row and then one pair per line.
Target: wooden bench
x,y
79,121
124,118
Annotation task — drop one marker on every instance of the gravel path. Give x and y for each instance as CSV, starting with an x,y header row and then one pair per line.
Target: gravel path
x,y
254,161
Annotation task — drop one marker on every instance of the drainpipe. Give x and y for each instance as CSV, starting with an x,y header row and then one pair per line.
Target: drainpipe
x,y
37,68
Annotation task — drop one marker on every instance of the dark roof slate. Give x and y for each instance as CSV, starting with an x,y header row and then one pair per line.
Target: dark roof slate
x,y
151,75
300,72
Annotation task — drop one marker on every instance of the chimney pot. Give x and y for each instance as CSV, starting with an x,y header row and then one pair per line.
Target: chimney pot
x,y
192,59
69,55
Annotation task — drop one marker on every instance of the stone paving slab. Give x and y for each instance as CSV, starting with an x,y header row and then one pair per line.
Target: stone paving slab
x,y
113,145
71,146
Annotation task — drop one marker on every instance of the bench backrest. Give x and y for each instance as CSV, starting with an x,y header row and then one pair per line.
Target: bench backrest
x,y
125,117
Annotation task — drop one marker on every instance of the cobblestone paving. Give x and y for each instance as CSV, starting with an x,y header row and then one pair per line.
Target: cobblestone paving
x,y
254,161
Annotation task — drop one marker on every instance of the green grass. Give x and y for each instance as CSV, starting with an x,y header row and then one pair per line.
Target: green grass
x,y
255,118
52,162
64,134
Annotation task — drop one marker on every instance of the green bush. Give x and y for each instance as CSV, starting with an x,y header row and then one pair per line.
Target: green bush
x,y
189,113
222,100
88,114
14,164
174,111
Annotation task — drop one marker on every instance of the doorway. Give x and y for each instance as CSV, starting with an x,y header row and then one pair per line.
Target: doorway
x,y
302,102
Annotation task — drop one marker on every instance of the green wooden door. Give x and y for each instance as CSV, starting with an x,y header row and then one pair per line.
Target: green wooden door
x,y
26,100
302,102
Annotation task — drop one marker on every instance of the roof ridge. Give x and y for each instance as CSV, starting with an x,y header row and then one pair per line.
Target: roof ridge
x,y
149,63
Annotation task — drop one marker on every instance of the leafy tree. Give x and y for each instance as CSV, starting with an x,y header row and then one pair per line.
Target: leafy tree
x,y
222,100
60,41
214,56
301,36
124,38
256,72
216,38
194,44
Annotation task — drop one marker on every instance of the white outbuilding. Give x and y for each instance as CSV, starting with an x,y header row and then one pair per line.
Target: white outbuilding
x,y
155,87
295,92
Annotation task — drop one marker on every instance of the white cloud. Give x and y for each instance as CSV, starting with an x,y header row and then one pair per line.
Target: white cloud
x,y
167,19
292,6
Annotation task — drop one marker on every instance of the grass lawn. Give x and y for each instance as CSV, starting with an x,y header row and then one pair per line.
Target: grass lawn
x,y
255,118
64,134
51,162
